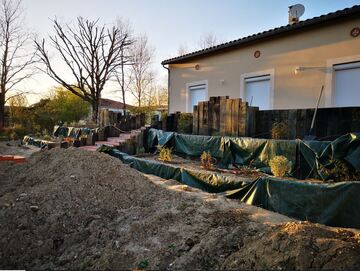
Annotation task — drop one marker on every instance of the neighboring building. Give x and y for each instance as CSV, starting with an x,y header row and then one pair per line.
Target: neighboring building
x,y
282,68
113,106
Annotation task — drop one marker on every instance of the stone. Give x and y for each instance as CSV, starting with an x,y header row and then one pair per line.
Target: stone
x,y
34,208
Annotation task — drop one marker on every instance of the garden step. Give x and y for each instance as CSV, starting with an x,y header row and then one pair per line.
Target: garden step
x,y
107,143
89,148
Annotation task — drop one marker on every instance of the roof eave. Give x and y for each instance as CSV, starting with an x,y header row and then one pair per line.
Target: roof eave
x,y
273,33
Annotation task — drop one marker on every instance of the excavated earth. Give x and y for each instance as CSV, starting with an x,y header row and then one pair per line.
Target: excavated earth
x,y
73,209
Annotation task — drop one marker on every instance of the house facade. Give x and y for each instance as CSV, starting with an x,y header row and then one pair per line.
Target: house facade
x,y
283,68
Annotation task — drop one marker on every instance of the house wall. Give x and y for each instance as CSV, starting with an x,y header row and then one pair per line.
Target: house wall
x,y
317,48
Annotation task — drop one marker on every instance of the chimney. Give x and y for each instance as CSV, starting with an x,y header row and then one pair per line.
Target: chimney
x,y
292,19
295,12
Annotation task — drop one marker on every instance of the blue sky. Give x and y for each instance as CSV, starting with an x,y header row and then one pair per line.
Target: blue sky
x,y
170,23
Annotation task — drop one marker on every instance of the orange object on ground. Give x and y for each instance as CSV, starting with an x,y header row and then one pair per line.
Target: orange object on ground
x,y
12,158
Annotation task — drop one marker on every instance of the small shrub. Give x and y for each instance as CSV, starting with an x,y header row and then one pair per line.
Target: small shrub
x,y
206,160
280,166
47,138
45,132
143,264
13,136
165,154
280,130
15,132
340,171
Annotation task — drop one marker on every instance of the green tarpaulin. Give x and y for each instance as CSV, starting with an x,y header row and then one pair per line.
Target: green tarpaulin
x,y
330,204
195,145
28,140
307,157
71,131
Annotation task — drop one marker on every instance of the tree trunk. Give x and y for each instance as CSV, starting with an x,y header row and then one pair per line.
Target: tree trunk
x,y
124,108
2,111
95,112
123,80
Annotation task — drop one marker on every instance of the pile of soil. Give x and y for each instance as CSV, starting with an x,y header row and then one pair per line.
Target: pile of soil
x,y
73,209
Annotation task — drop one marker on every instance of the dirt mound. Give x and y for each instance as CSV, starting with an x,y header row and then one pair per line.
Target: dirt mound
x,y
300,246
86,210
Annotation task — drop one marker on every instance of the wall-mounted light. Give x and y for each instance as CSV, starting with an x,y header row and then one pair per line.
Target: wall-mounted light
x,y
222,82
197,67
298,70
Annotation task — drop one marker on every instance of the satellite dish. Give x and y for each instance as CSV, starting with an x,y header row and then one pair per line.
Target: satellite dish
x,y
296,11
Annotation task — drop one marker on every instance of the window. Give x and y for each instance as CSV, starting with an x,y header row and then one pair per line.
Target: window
x,y
342,81
257,89
197,92
347,84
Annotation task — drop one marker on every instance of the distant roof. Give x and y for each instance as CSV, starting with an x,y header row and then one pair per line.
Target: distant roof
x,y
112,104
288,29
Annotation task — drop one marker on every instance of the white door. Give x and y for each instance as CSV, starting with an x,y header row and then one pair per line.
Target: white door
x,y
257,91
347,85
197,93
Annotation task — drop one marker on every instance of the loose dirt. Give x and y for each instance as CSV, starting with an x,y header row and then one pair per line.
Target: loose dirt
x,y
15,148
73,209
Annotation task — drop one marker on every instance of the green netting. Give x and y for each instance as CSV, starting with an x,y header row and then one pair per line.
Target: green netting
x,y
330,204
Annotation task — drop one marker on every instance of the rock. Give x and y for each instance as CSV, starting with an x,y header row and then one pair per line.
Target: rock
x,y
23,195
117,244
34,208
190,243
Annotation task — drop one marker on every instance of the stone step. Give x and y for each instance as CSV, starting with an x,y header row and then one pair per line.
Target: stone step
x,y
89,148
116,139
107,143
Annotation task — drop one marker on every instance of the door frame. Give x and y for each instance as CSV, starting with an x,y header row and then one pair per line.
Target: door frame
x,y
329,89
269,72
192,84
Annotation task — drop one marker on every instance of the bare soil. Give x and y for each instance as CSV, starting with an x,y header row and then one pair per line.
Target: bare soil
x,y
73,209
15,148
243,172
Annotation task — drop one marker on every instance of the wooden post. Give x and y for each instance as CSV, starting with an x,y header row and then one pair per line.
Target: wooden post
x,y
195,130
222,116
243,118
216,117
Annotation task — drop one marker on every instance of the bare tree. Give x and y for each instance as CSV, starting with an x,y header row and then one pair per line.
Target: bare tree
x,y
123,74
183,50
141,69
16,58
208,40
91,52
